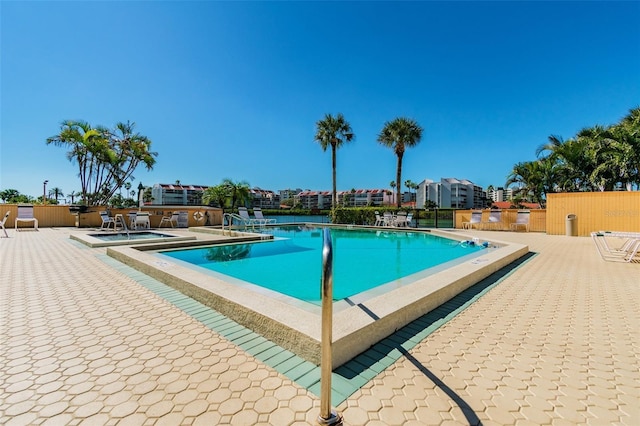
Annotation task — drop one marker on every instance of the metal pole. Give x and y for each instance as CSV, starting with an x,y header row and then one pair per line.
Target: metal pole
x,y
327,415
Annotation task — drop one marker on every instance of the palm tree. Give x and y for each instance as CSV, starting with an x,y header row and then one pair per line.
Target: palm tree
x,y
392,185
56,192
333,131
238,191
398,135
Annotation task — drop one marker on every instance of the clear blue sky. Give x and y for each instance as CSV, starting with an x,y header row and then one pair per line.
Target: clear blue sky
x,y
234,89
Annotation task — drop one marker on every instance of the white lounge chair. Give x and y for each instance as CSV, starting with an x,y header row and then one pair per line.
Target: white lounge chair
x,y
625,249
257,212
107,221
170,219
3,222
495,220
522,220
476,220
25,214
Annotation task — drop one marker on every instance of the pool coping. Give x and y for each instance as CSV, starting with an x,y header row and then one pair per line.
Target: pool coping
x,y
354,329
89,240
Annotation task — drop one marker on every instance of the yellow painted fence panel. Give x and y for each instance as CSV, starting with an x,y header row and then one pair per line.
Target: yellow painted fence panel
x,y
594,211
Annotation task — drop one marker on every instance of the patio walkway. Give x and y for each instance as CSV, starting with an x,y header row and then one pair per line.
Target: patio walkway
x,y
556,342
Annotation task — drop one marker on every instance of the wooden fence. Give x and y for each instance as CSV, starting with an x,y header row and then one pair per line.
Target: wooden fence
x,y
537,219
60,216
594,211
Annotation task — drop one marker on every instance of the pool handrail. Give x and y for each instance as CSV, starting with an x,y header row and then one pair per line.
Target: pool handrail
x,y
327,416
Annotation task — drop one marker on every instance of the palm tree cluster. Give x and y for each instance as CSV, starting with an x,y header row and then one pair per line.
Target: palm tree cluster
x,y
398,134
106,158
227,194
598,158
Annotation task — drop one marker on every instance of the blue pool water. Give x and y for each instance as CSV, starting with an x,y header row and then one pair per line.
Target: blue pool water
x,y
291,263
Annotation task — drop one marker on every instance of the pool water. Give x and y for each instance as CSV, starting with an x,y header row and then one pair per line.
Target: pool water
x,y
122,236
363,259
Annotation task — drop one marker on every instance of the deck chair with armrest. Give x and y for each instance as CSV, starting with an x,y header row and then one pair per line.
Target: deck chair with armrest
x,y
107,221
495,220
257,212
25,214
476,220
246,219
617,246
522,220
6,216
379,221
170,219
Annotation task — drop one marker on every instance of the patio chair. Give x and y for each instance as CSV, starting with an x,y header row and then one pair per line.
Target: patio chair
x,y
170,219
495,220
257,212
387,219
522,219
400,219
107,221
379,221
142,220
3,222
25,214
476,220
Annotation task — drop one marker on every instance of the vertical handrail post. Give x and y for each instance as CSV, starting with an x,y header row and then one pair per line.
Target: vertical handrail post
x,y
327,416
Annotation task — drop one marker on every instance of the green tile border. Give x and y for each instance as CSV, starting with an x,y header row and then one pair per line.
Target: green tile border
x,y
347,378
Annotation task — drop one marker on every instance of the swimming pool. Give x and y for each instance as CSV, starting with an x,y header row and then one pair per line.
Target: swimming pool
x,y
359,321
364,259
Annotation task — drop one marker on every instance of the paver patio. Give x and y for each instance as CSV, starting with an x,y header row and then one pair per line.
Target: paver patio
x,y
555,342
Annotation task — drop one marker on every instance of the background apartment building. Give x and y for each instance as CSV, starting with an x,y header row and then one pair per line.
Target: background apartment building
x,y
451,193
353,198
177,195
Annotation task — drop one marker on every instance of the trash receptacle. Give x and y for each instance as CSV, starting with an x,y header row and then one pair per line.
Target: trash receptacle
x,y
571,225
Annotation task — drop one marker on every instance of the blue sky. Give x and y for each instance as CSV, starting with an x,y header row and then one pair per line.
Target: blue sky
x,y
234,89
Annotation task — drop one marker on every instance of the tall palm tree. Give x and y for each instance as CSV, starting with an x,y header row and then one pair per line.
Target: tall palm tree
x,y
392,185
400,134
238,191
333,132
56,192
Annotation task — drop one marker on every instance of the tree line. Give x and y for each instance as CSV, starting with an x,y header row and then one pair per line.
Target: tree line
x,y
598,158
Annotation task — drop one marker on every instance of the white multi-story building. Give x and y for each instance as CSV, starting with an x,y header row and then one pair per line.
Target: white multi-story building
x,y
450,193
500,194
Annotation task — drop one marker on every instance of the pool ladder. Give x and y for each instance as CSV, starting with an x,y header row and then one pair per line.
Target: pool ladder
x,y
328,416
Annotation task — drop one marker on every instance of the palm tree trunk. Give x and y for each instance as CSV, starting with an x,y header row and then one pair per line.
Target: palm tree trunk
x,y
334,200
398,185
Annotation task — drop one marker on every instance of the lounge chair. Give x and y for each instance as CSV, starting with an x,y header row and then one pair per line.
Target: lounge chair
x,y
107,221
3,222
170,219
522,220
25,214
627,248
257,212
495,220
476,220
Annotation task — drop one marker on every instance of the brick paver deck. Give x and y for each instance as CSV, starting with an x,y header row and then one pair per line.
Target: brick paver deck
x,y
556,342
